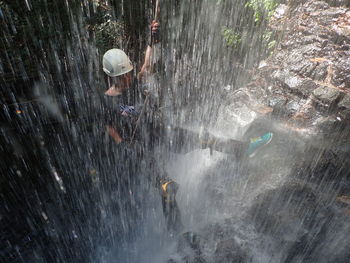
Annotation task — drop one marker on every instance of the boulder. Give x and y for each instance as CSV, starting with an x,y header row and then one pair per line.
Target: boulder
x,y
295,83
326,96
289,215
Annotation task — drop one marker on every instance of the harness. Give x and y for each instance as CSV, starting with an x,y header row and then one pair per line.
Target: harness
x,y
164,187
165,193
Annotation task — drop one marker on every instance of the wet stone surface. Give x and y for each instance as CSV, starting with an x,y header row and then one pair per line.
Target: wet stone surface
x,y
310,63
341,75
295,83
344,106
327,96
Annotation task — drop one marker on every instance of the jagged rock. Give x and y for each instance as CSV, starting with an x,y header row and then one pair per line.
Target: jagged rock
x,y
320,72
295,83
292,107
287,108
229,251
326,96
277,101
297,62
316,70
310,50
344,106
345,102
311,62
341,74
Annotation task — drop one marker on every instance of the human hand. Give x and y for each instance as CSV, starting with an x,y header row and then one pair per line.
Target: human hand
x,y
114,134
155,31
155,25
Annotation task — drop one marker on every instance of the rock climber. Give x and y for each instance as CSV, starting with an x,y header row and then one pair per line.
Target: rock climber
x,y
130,92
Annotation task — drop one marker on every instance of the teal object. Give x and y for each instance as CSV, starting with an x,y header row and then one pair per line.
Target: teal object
x,y
257,143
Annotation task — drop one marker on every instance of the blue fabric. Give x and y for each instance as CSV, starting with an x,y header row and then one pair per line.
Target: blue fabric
x,y
127,110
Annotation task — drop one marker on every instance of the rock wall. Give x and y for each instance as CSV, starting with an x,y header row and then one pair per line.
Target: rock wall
x,y
301,92
305,82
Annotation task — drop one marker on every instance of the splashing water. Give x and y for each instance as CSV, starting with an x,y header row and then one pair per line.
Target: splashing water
x,y
72,195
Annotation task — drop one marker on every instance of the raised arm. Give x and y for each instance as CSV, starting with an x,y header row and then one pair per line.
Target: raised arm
x,y
146,67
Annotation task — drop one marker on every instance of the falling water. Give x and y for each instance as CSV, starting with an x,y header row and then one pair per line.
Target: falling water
x,y
72,195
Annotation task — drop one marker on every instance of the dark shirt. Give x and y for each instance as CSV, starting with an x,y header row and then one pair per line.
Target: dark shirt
x,y
121,112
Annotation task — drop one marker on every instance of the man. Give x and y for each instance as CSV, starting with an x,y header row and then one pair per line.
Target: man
x,y
117,65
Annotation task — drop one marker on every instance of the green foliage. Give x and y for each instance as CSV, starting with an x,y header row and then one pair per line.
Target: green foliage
x,y
109,34
262,8
268,40
232,38
267,37
271,44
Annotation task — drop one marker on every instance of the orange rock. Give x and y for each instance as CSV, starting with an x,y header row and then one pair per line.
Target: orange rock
x,y
318,59
344,199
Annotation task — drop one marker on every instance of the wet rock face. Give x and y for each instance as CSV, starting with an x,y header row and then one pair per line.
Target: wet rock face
x,y
326,96
341,74
344,105
307,77
289,214
294,83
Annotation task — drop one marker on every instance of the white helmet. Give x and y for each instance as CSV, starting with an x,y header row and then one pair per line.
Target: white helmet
x,y
116,63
